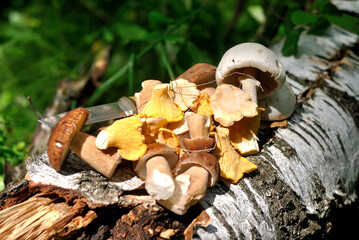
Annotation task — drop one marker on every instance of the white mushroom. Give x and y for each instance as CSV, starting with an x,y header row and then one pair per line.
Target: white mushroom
x,y
251,66
155,166
195,172
279,105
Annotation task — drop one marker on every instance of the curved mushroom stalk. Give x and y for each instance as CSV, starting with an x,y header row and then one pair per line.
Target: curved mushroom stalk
x,y
199,127
251,86
190,187
159,180
103,161
195,172
156,168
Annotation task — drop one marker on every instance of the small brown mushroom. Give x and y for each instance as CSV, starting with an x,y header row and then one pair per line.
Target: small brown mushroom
x,y
66,136
195,172
156,168
202,74
199,129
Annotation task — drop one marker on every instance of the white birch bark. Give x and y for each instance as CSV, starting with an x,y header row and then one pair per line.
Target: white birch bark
x,y
307,166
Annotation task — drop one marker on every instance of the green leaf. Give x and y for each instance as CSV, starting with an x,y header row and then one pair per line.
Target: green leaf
x,y
158,20
130,32
300,17
345,21
290,46
320,4
319,27
329,8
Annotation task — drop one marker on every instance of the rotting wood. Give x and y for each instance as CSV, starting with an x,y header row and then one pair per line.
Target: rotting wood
x,y
304,170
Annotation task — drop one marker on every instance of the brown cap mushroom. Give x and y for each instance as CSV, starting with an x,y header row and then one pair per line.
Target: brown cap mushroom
x,y
156,168
195,172
259,66
202,74
280,105
66,136
62,134
199,127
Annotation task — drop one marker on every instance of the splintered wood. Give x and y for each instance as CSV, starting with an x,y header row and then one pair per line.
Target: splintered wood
x,y
42,217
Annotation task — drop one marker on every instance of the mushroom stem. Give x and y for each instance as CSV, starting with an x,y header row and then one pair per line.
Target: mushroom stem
x,y
103,161
198,125
159,181
191,186
251,86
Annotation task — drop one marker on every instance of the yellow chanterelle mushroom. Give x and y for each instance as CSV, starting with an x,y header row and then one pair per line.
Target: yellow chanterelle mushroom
x,y
125,134
232,165
161,105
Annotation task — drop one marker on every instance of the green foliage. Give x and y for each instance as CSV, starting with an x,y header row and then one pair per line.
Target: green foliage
x,y
43,42
316,16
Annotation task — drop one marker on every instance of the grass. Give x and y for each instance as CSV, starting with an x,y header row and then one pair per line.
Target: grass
x,y
44,42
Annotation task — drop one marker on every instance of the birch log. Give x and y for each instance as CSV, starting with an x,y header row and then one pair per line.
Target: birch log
x,y
304,170
310,166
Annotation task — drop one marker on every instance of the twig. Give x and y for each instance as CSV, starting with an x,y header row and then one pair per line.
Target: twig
x,y
34,108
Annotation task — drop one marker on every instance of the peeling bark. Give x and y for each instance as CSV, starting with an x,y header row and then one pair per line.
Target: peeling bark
x,y
308,168
305,171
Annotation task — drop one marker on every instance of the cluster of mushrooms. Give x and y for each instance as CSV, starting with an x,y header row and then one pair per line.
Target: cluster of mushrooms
x,y
188,132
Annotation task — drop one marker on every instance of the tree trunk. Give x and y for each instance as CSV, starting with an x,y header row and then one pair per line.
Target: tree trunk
x,y
311,167
305,171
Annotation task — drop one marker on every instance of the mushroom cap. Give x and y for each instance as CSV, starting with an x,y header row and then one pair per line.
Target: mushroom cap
x,y
145,95
161,105
183,93
270,71
231,104
62,134
155,149
202,74
126,135
203,159
280,105
203,143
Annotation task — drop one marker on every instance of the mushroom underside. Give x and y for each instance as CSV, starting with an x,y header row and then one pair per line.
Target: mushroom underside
x,y
266,86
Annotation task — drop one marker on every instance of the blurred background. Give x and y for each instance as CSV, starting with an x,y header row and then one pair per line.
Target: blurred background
x,y
46,43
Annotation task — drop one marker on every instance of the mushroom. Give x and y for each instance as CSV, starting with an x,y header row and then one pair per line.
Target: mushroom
x,y
195,172
168,137
230,104
243,134
280,105
252,66
155,167
126,135
66,136
161,105
183,93
232,164
144,96
199,127
202,105
201,74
